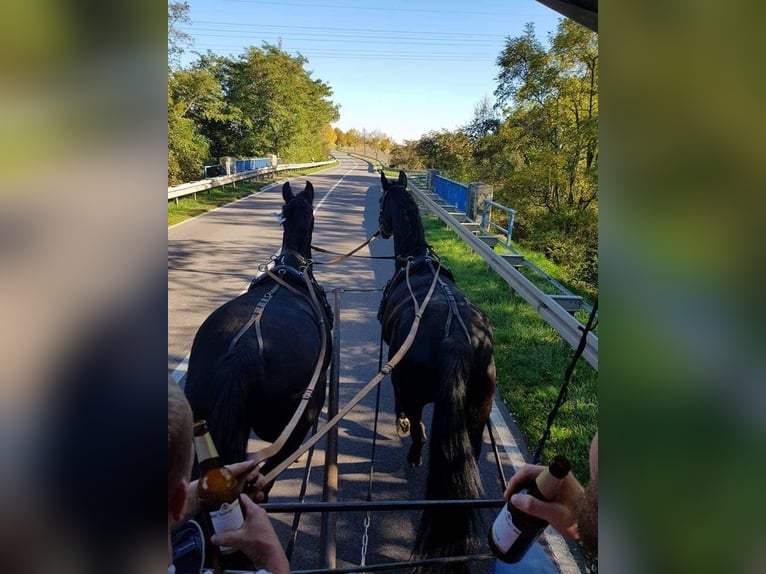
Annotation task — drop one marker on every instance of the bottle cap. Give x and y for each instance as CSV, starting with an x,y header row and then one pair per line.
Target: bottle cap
x,y
559,466
200,427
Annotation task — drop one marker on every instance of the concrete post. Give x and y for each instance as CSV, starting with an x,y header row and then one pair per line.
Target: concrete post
x,y
477,193
429,178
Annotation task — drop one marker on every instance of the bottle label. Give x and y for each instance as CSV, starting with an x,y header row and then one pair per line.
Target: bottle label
x,y
229,517
205,447
504,531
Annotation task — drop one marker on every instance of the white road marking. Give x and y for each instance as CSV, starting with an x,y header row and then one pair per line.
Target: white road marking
x,y
326,195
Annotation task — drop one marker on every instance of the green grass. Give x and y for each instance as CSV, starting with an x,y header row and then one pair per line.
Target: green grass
x,y
189,207
530,357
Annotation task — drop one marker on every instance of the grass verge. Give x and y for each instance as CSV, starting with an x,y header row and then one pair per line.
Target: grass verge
x,y
530,357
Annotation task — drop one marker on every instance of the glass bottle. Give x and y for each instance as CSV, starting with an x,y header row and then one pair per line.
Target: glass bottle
x,y
217,488
514,531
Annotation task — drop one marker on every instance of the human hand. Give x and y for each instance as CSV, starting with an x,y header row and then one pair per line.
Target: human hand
x,y
256,538
246,474
249,479
561,513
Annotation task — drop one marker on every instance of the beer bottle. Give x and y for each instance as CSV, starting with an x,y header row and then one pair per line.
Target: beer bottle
x,y
514,531
217,488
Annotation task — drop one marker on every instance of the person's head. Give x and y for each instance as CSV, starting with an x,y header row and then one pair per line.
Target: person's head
x,y
179,450
588,510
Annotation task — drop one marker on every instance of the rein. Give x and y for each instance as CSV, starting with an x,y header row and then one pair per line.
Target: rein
x,y
276,446
385,370
564,391
343,257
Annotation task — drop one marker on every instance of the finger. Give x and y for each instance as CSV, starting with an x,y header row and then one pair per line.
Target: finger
x,y
239,468
225,538
248,503
524,474
256,480
258,496
532,506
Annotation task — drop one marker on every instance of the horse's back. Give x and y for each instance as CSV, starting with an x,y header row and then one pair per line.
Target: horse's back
x,y
437,322
284,354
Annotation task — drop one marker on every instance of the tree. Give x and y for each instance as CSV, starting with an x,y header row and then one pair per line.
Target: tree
x,y
485,121
406,156
552,99
284,110
187,148
550,135
178,13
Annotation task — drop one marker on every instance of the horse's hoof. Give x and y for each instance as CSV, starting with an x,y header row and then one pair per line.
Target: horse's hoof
x,y
414,462
402,427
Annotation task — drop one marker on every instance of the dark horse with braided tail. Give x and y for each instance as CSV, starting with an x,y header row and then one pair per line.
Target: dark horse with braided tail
x,y
253,358
450,363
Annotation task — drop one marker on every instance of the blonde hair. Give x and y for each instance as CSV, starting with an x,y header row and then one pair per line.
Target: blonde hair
x,y
179,435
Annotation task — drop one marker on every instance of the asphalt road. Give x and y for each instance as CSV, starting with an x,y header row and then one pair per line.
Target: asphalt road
x,y
212,258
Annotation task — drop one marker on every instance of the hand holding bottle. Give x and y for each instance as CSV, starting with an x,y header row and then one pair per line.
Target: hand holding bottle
x,y
560,513
514,531
246,474
256,538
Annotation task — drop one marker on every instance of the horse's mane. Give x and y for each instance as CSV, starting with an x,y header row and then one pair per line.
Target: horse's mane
x,y
409,227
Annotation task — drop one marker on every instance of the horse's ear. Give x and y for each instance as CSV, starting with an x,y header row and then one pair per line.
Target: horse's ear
x,y
309,192
383,181
402,179
287,192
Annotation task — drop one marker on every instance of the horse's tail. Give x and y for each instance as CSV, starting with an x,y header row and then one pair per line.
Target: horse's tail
x,y
222,400
452,470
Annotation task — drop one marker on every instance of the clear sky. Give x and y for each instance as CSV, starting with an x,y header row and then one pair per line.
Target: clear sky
x,y
404,67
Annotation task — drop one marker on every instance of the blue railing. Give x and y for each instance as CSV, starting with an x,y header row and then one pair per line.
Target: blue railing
x,y
450,191
252,163
487,223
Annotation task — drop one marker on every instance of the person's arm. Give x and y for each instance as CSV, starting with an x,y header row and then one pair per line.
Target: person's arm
x,y
561,513
256,538
245,472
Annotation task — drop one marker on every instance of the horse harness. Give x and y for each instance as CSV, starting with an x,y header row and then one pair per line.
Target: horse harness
x,y
303,284
295,281
427,261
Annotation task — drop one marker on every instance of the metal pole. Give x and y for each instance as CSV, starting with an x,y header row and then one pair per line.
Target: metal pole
x,y
330,489
510,227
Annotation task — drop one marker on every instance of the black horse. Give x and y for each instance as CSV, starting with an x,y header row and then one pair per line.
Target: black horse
x,y
253,357
450,363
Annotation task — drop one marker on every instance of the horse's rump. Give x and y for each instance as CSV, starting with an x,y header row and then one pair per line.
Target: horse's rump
x,y
239,380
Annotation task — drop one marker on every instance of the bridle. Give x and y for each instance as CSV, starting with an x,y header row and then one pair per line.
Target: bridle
x,y
302,261
385,232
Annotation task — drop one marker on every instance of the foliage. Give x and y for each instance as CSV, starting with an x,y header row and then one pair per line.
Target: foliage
x,y
178,13
187,148
485,121
448,152
541,154
364,141
261,103
552,123
284,110
407,156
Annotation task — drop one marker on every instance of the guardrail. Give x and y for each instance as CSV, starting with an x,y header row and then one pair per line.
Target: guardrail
x,y
176,191
451,191
549,309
